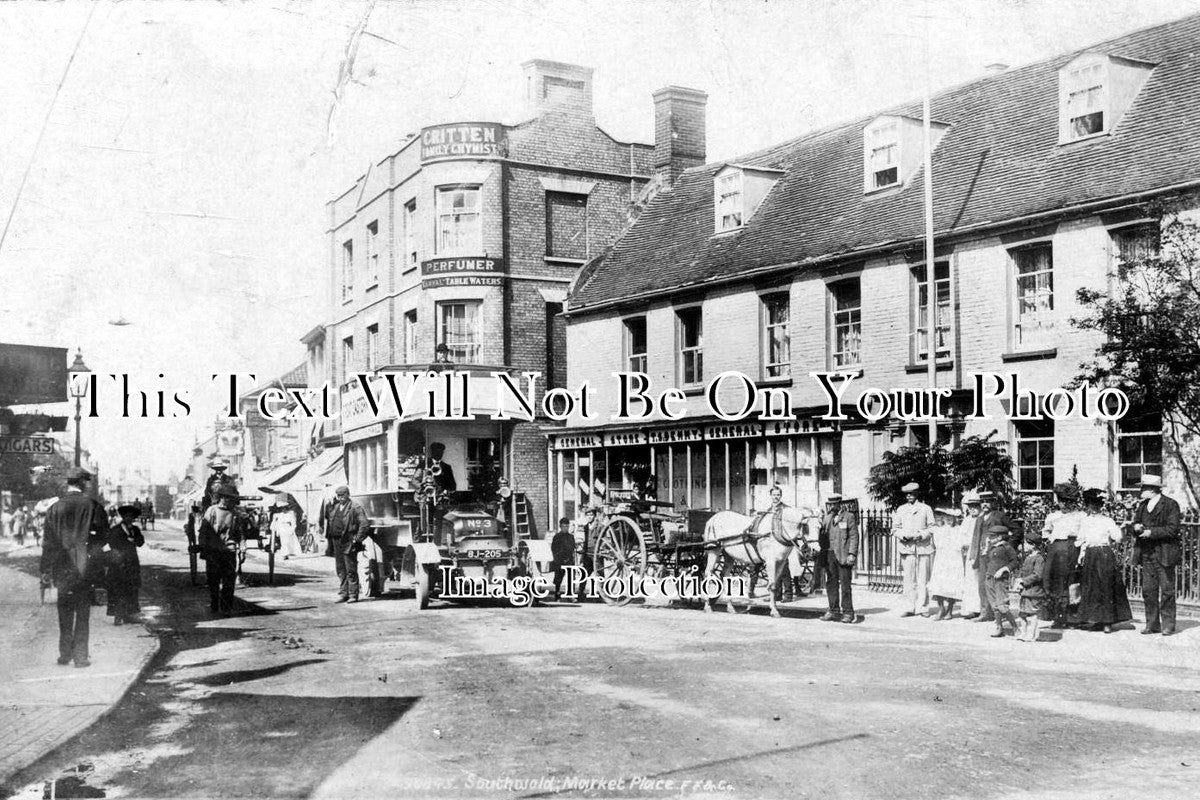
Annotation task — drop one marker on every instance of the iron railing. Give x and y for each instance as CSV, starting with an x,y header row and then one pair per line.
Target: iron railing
x,y
879,561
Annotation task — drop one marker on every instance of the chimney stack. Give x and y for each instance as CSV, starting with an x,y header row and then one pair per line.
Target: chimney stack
x,y
553,85
679,131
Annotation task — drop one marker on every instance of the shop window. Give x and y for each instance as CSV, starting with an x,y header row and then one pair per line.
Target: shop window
x,y
690,335
920,317
1033,316
459,221
1035,455
458,329
845,298
777,345
737,477
566,225
1139,448
635,344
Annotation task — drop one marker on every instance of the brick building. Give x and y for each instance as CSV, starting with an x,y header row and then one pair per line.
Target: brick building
x,y
460,247
809,256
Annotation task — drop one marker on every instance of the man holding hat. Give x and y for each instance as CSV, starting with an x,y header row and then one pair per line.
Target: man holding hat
x,y
839,554
346,527
989,515
75,535
1157,549
911,525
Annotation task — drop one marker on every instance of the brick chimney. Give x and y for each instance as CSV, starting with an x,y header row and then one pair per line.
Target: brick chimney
x,y
679,131
553,85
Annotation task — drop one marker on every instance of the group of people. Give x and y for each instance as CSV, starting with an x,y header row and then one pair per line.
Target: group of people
x,y
21,521
1068,573
82,551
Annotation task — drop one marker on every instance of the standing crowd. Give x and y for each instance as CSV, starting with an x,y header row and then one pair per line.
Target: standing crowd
x,y
1067,574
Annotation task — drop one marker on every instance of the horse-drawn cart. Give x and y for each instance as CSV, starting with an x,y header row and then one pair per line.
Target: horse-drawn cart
x,y
631,539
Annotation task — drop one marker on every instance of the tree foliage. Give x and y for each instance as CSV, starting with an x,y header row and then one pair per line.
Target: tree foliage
x,y
1150,324
943,475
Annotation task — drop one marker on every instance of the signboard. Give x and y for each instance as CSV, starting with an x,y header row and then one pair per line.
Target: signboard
x,y
30,374
369,432
462,140
451,266
462,280
33,445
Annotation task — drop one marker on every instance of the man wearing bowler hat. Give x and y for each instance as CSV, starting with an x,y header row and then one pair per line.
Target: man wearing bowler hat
x,y
75,535
911,525
1157,549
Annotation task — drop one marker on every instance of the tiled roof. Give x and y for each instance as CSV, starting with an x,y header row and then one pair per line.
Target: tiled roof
x,y
1000,160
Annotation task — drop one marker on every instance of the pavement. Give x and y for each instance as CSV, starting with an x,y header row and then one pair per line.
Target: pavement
x,y
297,697
43,705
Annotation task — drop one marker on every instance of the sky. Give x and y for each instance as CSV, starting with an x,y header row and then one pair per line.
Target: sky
x,y
177,177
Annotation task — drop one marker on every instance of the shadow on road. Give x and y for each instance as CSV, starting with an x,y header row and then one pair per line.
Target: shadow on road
x,y
172,736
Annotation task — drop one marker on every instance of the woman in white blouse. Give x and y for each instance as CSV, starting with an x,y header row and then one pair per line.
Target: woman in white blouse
x,y
1103,601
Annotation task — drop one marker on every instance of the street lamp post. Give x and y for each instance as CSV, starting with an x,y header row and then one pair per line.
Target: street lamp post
x,y
78,391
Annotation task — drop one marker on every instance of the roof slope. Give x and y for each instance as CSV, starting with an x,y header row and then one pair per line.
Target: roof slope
x,y
999,160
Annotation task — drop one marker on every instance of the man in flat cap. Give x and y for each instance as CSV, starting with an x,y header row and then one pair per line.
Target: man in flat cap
x,y
911,525
1157,549
838,556
75,535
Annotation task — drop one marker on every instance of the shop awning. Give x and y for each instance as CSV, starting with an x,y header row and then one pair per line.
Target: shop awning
x,y
328,467
270,480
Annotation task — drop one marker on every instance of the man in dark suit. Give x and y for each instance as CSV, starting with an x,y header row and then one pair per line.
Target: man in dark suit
x,y
1157,549
989,515
75,534
346,527
445,479
839,554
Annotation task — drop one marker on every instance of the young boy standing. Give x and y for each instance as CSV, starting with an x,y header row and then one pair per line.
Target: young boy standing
x,y
1001,559
1029,583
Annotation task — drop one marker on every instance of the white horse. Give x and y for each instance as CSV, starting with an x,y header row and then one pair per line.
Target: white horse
x,y
735,537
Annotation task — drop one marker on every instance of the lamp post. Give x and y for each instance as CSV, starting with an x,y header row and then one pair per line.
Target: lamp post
x,y
78,391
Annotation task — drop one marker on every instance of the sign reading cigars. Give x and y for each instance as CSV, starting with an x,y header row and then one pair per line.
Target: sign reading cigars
x,y
462,140
462,272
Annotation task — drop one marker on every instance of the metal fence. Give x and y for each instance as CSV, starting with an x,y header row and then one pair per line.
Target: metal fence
x,y
879,561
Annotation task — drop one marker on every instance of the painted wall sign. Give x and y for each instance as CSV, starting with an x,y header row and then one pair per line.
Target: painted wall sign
x,y
449,266
462,140
35,445
462,280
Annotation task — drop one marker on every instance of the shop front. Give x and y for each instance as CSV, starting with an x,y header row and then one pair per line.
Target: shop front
x,y
706,465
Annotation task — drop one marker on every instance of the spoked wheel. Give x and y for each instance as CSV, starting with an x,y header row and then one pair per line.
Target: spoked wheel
x,y
620,555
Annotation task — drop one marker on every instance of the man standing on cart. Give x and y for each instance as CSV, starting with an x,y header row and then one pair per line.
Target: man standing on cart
x,y
217,480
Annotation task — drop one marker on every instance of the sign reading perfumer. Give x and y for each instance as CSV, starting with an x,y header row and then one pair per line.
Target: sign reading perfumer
x,y
462,140
462,272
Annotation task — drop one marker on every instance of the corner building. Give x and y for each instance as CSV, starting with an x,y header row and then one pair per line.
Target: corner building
x,y
809,256
461,245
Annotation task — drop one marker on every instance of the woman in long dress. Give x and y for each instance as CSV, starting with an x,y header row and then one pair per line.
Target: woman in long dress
x,y
948,577
1103,601
123,576
283,526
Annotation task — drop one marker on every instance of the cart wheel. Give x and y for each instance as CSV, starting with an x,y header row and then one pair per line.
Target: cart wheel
x,y
620,555
424,586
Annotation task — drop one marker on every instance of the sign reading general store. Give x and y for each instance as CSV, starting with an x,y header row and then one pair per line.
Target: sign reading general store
x,y
462,140
30,374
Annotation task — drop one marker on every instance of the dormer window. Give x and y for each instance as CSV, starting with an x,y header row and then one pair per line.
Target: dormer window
x,y
1094,91
738,190
883,154
730,200
892,150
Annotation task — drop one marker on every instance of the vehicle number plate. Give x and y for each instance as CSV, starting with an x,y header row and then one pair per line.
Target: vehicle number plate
x,y
485,554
